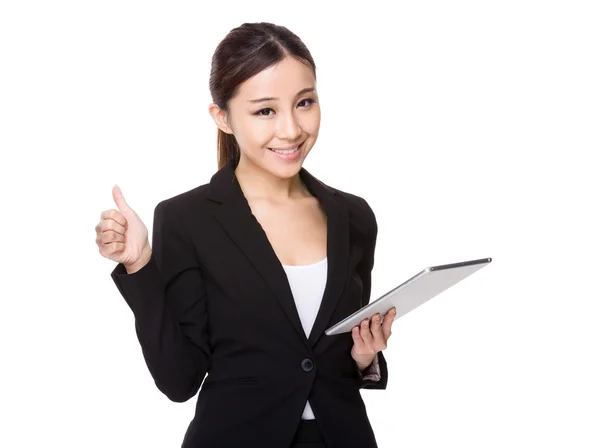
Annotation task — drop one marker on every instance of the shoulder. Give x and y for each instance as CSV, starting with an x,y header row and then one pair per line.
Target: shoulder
x,y
193,201
183,203
358,207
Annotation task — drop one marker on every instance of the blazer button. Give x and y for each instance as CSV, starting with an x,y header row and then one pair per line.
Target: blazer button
x,y
307,365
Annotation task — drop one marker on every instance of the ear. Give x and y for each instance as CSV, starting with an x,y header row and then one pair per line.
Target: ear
x,y
220,118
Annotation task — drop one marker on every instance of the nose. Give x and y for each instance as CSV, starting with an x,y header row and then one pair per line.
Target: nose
x,y
288,128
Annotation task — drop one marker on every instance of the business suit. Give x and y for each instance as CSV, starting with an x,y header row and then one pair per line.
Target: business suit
x,y
228,311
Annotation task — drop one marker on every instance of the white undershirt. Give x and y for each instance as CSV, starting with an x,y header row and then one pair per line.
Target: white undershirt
x,y
307,283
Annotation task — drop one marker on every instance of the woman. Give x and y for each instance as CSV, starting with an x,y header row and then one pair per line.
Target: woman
x,y
246,272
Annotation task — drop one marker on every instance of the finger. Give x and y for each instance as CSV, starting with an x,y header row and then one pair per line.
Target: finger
x,y
358,341
365,332
119,199
110,224
379,340
388,320
114,215
112,248
111,237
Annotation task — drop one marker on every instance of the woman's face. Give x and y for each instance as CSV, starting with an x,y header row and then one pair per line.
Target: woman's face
x,y
291,116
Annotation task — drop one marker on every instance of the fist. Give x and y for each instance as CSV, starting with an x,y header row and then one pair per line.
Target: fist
x,y
121,235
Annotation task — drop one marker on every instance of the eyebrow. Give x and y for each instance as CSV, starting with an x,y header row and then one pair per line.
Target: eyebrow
x,y
270,98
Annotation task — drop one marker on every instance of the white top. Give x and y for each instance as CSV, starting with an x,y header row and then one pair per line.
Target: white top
x,y
307,283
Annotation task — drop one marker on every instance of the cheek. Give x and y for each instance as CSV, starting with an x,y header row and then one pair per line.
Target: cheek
x,y
312,123
261,133
255,135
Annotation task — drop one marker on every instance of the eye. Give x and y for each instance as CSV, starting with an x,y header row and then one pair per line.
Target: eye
x,y
308,100
262,110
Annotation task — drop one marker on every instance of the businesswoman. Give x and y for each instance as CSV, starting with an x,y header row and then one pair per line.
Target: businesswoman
x,y
246,272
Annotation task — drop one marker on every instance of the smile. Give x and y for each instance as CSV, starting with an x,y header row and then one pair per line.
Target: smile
x,y
285,151
289,153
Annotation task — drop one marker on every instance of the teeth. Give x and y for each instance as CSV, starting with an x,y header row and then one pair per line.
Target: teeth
x,y
285,151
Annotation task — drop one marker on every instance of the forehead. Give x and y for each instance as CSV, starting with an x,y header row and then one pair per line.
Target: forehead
x,y
283,79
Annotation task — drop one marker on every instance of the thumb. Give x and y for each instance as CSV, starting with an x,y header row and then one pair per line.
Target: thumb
x,y
119,199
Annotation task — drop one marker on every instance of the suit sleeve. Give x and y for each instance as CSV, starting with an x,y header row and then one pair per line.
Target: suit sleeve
x,y
376,375
371,372
168,300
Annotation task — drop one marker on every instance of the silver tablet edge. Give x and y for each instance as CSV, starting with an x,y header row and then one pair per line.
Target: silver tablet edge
x,y
372,304
482,261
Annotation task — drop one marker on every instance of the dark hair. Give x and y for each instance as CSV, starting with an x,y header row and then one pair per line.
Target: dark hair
x,y
244,52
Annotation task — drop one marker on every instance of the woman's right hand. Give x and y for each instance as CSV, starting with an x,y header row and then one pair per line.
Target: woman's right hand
x,y
121,235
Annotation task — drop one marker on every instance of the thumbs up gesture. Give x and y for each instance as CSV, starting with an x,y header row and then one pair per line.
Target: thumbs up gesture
x,y
121,235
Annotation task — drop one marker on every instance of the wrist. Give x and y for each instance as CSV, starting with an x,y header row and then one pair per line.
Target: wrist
x,y
143,260
362,366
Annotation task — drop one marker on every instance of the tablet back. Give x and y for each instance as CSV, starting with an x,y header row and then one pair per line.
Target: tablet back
x,y
414,292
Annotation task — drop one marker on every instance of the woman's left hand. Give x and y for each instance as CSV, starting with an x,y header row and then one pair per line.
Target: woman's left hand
x,y
369,341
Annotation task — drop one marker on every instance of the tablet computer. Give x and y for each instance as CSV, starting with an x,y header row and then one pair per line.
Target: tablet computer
x,y
413,292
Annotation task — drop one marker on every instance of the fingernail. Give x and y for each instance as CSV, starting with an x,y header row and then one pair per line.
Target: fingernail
x,y
377,316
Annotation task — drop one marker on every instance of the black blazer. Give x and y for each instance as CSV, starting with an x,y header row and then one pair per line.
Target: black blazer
x,y
215,299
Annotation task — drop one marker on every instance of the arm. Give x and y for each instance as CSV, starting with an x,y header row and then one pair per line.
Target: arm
x,y
374,376
168,300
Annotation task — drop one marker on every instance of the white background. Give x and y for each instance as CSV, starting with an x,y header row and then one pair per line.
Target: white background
x,y
470,127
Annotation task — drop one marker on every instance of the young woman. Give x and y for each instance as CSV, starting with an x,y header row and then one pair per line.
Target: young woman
x,y
246,272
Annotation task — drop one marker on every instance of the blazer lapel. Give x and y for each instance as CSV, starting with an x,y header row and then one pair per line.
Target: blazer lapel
x,y
236,218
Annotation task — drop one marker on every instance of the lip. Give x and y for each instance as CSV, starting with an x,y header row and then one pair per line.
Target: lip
x,y
283,148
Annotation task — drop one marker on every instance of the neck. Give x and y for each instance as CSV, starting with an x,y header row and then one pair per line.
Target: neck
x,y
257,183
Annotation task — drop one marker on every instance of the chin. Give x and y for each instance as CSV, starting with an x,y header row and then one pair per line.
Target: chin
x,y
283,168
284,171
268,161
